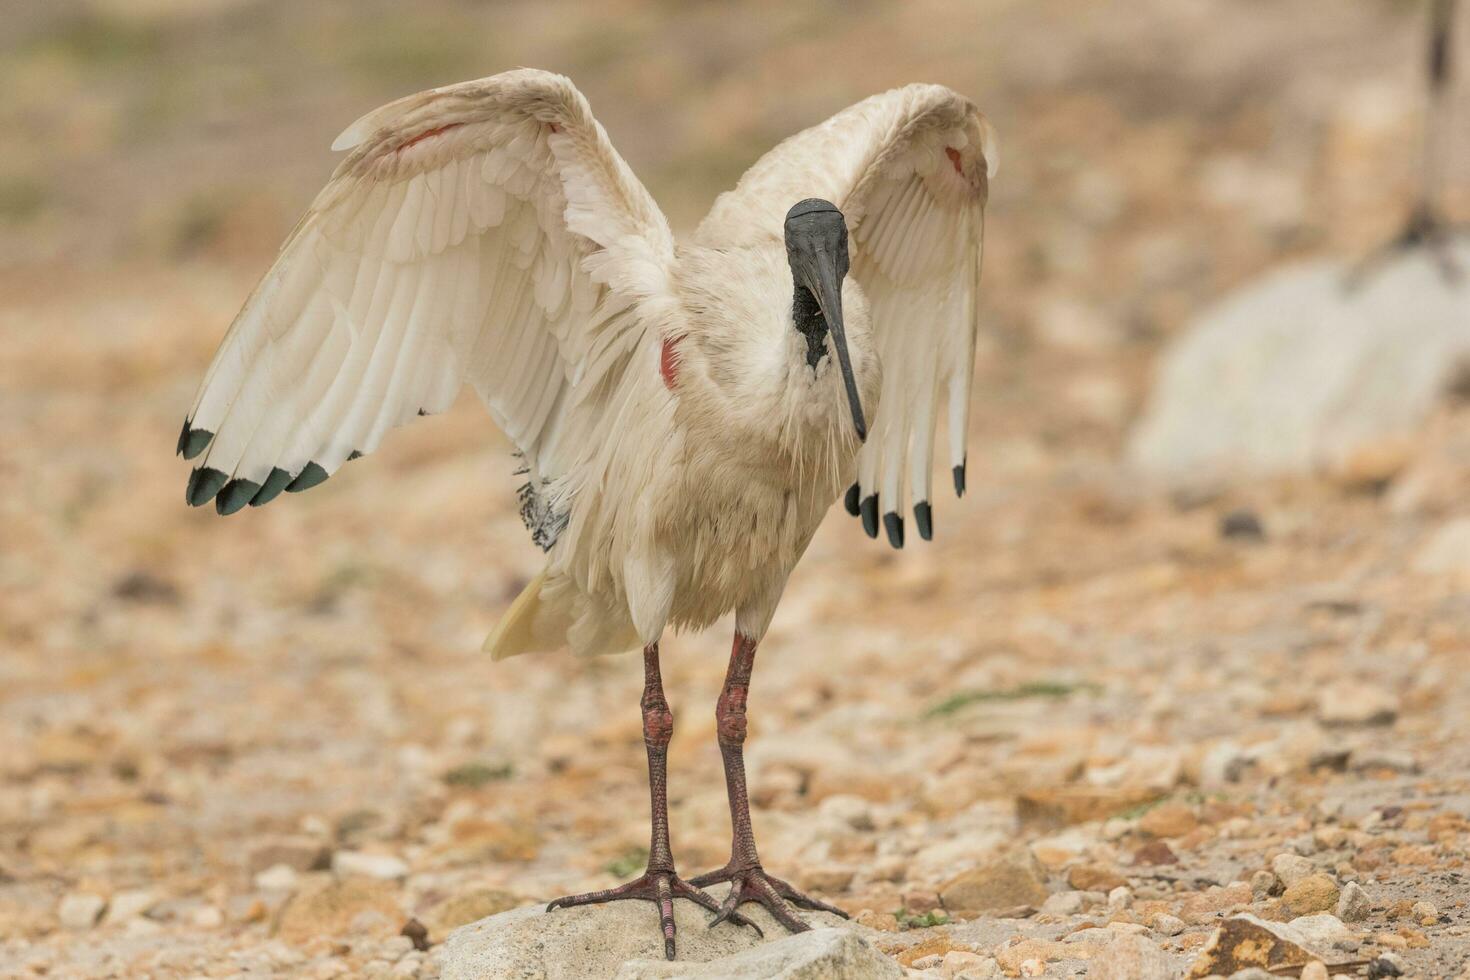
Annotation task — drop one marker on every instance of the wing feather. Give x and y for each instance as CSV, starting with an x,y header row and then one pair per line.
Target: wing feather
x,y
910,170
485,232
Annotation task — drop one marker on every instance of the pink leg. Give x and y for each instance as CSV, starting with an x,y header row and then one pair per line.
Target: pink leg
x,y
749,882
660,883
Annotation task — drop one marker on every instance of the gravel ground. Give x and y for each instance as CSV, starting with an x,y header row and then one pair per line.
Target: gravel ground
x,y
1091,708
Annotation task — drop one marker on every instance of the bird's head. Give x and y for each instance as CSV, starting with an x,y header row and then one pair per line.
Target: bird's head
x,y
816,248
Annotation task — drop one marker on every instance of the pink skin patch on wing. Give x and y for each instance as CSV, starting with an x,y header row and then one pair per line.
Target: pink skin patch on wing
x,y
954,158
429,133
668,362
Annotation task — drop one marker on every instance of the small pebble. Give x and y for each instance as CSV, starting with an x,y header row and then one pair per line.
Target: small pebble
x,y
80,910
1168,925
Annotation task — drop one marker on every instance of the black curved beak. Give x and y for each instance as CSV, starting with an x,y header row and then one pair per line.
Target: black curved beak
x,y
828,291
816,247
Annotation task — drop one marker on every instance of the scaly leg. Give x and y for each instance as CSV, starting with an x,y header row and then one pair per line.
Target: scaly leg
x,y
660,883
749,882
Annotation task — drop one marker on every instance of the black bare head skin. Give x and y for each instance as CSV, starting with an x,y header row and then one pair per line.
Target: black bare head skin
x,y
816,248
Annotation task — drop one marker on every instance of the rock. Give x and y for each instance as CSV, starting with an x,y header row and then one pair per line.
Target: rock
x,y
963,963
1291,868
623,939
1056,807
1071,903
1244,941
1130,958
300,853
1425,913
1314,893
1315,970
1322,932
827,880
1120,898
1353,904
1168,820
1095,878
1155,852
384,866
1205,906
1168,925
338,908
80,910
458,910
207,917
821,954
1263,883
1351,702
1004,883
1296,373
131,903
1447,552
276,878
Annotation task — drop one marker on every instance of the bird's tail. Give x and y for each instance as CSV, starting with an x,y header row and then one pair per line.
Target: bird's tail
x,y
550,615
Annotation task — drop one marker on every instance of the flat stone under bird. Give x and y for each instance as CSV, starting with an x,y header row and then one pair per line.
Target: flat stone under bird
x,y
686,411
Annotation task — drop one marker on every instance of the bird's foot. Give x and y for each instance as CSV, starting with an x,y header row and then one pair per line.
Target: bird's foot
x,y
751,883
660,888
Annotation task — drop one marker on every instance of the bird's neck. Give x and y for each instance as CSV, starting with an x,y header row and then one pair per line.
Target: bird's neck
x,y
807,316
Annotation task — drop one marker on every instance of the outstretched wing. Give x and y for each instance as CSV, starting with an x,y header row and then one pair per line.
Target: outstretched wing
x,y
910,171
485,232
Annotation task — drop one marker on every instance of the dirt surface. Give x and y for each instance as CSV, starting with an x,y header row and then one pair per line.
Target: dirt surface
x,y
262,744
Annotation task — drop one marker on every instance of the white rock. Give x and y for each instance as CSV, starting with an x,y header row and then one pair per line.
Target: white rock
x,y
131,903
1323,931
1350,702
384,866
277,878
80,910
1064,903
207,917
1295,373
602,940
1120,898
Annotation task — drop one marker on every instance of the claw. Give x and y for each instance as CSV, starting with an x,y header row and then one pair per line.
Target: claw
x,y
755,885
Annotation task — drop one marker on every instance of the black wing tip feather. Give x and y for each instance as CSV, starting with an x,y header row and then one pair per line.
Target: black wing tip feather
x,y
869,510
234,496
959,478
207,483
204,483
853,500
192,441
893,524
278,480
924,518
313,475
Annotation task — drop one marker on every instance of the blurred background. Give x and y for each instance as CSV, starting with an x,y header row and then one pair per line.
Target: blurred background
x,y
263,743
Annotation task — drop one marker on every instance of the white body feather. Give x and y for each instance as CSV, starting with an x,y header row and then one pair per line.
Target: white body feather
x,y
680,451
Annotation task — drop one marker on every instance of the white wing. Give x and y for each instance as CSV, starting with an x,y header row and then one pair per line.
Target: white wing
x,y
910,171
485,232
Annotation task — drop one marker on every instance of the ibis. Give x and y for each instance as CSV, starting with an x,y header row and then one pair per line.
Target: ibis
x,y
685,411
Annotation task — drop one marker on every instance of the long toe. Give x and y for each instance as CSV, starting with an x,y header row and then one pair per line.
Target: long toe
x,y
803,901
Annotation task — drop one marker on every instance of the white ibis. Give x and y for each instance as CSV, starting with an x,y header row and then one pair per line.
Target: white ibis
x,y
686,412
